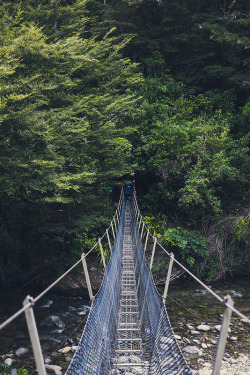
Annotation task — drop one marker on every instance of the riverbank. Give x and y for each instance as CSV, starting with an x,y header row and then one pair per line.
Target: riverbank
x,y
189,307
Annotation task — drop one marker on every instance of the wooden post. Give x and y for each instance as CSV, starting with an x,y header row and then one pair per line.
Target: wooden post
x,y
143,225
102,254
223,336
153,253
110,247
85,269
34,338
146,241
168,277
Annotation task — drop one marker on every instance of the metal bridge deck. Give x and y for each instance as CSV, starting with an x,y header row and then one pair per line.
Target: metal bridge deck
x,y
128,355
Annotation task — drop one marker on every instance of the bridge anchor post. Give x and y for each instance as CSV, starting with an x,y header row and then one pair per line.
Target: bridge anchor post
x,y
102,254
34,337
168,277
86,273
110,247
143,225
146,241
153,253
223,336
113,232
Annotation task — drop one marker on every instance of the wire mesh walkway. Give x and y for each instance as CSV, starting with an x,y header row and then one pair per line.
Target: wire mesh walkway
x,y
128,330
129,344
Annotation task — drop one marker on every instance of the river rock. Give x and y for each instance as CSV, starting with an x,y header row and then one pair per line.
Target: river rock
x,y
65,350
53,367
177,337
53,320
207,364
21,351
218,328
197,341
193,332
204,346
13,371
8,361
57,372
203,327
191,349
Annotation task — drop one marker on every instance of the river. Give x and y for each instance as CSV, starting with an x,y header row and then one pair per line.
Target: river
x,y
188,306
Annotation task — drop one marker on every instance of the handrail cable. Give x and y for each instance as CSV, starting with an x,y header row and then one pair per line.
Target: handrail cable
x,y
222,300
19,312
62,276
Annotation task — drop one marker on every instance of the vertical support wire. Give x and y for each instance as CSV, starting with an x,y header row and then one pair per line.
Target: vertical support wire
x,y
223,336
34,337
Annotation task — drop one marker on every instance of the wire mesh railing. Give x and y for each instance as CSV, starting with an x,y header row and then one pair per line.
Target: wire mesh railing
x,y
160,347
227,300
97,344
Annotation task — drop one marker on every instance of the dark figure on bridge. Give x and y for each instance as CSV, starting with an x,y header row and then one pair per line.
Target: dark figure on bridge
x,y
128,186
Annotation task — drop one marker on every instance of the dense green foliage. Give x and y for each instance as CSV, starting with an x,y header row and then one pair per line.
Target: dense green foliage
x,y
92,93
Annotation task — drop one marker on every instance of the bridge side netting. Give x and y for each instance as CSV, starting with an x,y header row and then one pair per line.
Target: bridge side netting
x,y
160,347
97,344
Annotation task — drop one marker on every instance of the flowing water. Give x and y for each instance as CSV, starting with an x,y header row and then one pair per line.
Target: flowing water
x,y
188,306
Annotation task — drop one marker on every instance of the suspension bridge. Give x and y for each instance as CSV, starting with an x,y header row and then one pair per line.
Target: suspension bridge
x,y
128,330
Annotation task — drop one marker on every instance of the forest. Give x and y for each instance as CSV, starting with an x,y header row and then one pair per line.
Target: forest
x,y
95,93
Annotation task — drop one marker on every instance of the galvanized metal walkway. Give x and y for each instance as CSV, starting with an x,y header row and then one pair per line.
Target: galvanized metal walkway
x,y
128,355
